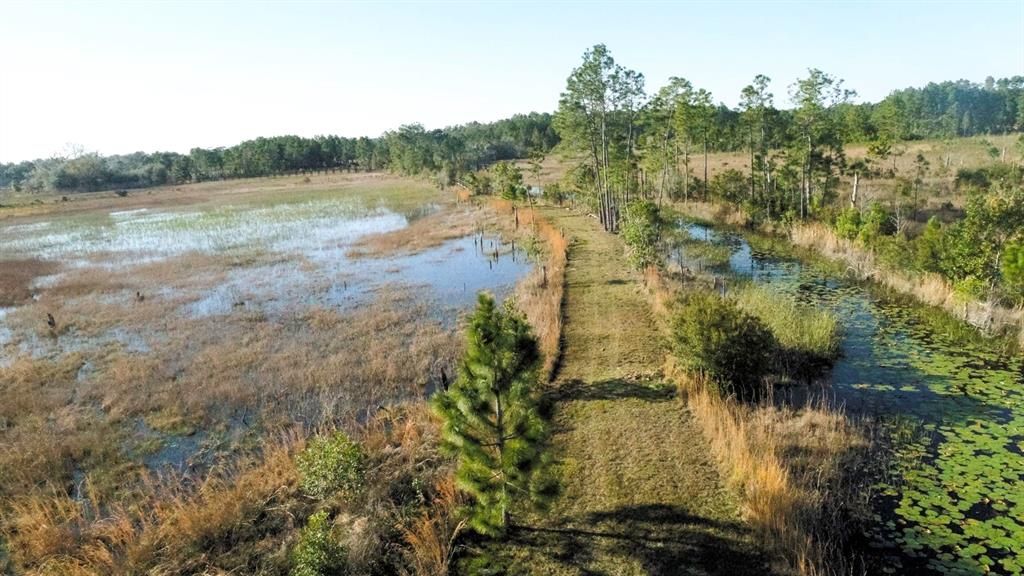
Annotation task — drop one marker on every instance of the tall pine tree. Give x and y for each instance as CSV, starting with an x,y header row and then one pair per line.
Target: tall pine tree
x,y
491,421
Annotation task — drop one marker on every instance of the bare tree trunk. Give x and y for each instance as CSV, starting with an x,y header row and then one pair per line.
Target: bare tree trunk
x,y
751,139
856,181
705,164
686,174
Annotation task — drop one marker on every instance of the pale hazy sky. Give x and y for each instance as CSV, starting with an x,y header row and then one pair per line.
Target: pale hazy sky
x,y
117,77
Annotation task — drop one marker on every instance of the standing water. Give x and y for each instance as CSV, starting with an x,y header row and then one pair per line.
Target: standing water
x,y
954,503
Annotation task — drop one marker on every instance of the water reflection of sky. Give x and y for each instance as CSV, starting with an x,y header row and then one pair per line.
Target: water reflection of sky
x,y
314,269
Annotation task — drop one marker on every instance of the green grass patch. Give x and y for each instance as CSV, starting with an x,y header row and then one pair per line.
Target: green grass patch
x,y
808,337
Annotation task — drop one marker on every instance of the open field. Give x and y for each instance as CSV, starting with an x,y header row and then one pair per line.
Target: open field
x,y
944,157
198,336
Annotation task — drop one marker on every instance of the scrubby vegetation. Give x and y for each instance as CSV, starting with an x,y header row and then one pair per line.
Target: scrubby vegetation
x,y
729,347
970,253
641,231
331,464
800,471
742,344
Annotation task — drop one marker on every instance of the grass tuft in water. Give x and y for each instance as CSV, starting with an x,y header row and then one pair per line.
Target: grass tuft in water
x,y
809,338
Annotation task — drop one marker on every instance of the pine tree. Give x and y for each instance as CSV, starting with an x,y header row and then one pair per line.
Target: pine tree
x,y
491,421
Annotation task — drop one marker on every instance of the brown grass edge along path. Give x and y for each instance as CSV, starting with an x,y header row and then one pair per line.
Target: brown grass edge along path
x,y
641,490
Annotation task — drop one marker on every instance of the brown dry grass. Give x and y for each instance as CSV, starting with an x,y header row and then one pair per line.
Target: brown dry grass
x,y
16,278
541,293
929,288
75,497
790,468
423,233
325,366
432,536
243,517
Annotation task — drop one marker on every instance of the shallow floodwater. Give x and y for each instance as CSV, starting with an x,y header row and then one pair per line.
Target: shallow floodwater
x,y
954,501
136,236
306,244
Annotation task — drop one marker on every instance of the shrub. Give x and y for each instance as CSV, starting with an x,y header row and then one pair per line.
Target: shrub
x,y
640,231
848,223
731,348
329,464
508,181
928,247
1013,270
731,185
317,553
874,224
554,193
894,252
971,287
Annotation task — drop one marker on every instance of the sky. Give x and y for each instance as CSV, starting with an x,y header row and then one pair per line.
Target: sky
x,y
117,77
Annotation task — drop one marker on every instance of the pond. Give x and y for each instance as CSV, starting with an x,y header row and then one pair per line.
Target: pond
x,y
953,502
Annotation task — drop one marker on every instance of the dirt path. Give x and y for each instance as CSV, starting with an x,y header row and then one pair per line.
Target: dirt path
x,y
641,493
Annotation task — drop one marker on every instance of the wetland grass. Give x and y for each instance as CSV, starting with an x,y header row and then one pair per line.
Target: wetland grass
x,y
124,380
795,469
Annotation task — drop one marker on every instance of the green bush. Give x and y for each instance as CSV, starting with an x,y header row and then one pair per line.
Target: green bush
x,y
894,252
331,464
317,553
875,223
640,232
731,185
971,287
928,247
554,193
731,348
1013,271
848,223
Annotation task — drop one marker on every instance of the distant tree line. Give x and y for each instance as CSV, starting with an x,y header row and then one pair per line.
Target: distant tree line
x,y
630,144
606,115
409,150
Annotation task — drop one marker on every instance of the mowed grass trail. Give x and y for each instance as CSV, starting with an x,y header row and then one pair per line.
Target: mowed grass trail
x,y
641,494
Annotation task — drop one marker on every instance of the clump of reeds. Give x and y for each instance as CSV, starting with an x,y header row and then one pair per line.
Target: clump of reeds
x,y
808,337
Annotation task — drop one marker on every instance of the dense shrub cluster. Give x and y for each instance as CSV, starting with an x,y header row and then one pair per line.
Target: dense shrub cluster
x,y
641,233
317,552
976,254
729,347
331,464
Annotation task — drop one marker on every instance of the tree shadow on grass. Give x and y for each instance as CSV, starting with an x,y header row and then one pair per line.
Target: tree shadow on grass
x,y
614,389
661,539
